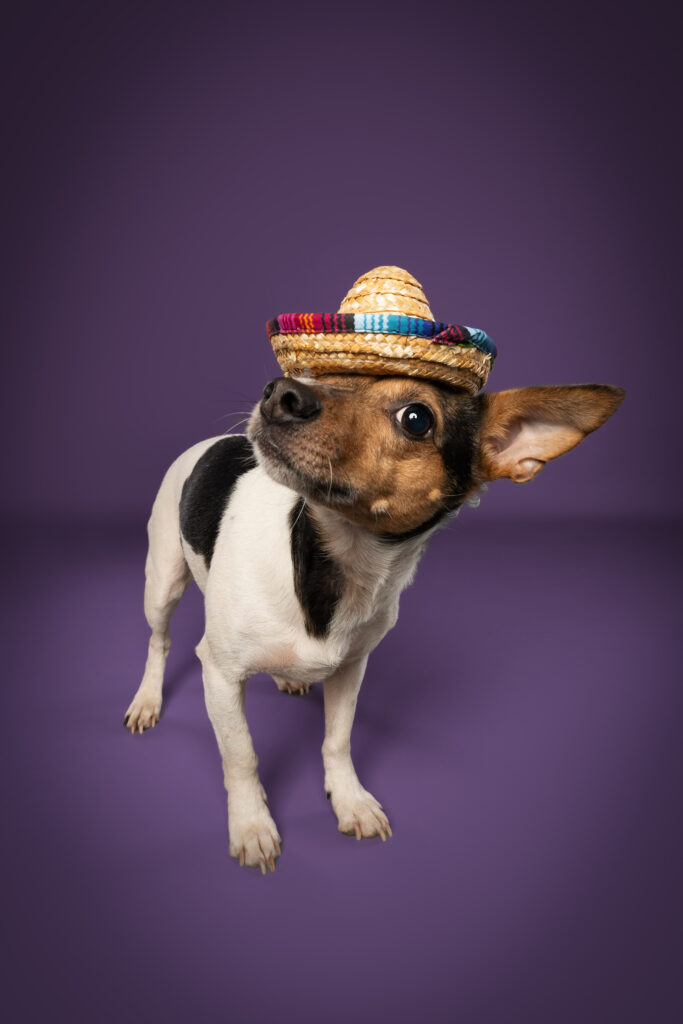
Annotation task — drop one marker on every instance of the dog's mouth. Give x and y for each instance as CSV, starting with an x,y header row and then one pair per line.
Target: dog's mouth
x,y
284,469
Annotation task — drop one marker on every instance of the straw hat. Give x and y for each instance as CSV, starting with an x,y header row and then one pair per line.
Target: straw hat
x,y
384,327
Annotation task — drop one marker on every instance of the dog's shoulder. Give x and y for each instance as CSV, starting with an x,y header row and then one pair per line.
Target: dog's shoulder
x,y
207,490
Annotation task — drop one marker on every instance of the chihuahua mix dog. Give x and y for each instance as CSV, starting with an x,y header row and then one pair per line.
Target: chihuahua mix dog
x,y
302,535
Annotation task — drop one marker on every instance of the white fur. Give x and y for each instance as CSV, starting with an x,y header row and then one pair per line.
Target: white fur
x,y
254,623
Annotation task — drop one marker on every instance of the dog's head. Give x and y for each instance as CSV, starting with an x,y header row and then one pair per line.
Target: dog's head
x,y
396,454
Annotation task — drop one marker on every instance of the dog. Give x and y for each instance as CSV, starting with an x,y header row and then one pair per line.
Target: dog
x,y
302,533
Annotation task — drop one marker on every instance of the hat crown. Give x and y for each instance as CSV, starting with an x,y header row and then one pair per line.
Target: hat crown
x,y
387,290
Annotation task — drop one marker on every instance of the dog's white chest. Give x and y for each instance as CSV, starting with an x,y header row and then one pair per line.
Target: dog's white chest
x,y
254,614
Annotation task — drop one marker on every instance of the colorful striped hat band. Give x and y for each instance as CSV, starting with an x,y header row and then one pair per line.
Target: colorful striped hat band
x,y
384,326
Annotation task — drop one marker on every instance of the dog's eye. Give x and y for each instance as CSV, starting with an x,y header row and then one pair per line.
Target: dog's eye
x,y
417,420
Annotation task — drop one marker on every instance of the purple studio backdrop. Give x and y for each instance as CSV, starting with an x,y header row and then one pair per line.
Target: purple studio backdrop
x,y
177,174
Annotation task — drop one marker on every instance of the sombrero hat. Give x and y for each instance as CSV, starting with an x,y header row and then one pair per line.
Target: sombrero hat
x,y
384,326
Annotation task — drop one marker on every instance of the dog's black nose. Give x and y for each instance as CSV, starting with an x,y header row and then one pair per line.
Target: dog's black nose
x,y
287,400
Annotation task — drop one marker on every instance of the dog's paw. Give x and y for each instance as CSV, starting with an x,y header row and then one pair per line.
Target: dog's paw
x,y
286,686
359,814
143,713
254,839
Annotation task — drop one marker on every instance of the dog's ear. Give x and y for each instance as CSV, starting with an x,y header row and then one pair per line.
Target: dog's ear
x,y
522,429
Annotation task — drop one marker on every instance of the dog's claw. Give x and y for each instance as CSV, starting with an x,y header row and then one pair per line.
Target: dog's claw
x,y
254,838
143,713
293,689
359,814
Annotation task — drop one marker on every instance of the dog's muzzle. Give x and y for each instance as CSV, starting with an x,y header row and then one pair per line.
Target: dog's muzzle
x,y
286,400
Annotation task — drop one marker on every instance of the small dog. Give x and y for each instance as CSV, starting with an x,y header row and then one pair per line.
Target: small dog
x,y
302,535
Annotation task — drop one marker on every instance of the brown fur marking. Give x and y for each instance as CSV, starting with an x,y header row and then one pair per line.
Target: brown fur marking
x,y
524,428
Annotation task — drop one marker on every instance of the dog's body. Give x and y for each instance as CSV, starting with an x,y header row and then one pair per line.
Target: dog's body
x,y
254,615
302,536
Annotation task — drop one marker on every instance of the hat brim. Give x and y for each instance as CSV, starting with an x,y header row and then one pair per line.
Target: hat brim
x,y
462,366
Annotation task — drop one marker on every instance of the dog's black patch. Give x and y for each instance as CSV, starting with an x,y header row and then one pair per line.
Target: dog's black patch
x,y
318,580
208,488
460,446
459,450
397,538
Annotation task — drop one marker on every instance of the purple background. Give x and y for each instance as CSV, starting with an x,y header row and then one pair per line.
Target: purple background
x,y
177,175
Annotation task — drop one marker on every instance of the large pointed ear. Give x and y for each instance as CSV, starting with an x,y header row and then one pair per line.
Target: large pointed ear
x,y
522,429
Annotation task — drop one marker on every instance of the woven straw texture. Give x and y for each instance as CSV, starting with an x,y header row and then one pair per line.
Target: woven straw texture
x,y
383,290
387,290
380,354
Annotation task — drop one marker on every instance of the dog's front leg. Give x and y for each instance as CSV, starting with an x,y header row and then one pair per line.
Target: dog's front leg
x,y
254,838
358,813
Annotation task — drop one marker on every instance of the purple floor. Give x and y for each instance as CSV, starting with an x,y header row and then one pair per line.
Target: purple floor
x,y
521,726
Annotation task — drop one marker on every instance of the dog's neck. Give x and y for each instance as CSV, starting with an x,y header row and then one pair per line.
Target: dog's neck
x,y
371,565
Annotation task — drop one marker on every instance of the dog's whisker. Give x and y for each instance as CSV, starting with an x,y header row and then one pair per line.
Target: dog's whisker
x,y
299,515
234,412
229,432
329,493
